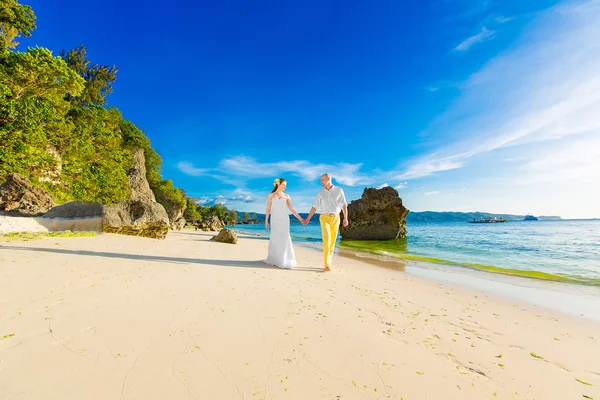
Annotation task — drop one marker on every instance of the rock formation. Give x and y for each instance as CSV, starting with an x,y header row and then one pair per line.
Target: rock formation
x,y
141,215
226,236
76,209
377,215
179,224
19,197
174,210
212,223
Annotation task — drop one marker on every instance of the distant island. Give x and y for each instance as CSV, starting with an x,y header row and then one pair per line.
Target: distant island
x,y
449,216
435,216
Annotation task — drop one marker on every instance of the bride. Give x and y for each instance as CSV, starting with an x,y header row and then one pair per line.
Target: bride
x,y
279,206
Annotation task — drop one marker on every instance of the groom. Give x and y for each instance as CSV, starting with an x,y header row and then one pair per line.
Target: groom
x,y
330,200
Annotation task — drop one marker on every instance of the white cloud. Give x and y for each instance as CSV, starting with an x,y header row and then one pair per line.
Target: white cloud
x,y
245,166
226,200
484,34
189,169
432,193
525,95
544,90
401,185
472,9
383,186
577,161
429,165
344,173
202,200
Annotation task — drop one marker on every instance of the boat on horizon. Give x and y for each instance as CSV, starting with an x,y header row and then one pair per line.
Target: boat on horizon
x,y
487,220
530,217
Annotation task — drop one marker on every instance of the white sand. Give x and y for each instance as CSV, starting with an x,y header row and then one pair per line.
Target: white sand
x,y
115,317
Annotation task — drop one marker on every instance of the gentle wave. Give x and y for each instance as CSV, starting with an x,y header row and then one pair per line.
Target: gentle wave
x,y
560,251
385,249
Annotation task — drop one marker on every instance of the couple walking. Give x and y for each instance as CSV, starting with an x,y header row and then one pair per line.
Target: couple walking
x,y
330,201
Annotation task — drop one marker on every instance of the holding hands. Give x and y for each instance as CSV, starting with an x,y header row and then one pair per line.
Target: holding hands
x,y
305,222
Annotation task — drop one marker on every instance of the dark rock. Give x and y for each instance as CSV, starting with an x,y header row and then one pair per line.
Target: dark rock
x,y
377,215
76,209
226,236
141,215
19,197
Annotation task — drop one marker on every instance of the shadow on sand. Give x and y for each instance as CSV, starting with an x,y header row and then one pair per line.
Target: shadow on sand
x,y
179,260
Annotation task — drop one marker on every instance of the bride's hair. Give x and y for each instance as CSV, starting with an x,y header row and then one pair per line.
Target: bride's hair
x,y
276,184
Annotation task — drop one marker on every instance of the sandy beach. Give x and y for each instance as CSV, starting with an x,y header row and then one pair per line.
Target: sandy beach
x,y
117,317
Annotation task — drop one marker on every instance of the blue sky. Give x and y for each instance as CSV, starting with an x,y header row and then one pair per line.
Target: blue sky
x,y
462,105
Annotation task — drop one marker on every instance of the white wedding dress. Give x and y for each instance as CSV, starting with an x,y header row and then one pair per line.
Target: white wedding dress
x,y
281,251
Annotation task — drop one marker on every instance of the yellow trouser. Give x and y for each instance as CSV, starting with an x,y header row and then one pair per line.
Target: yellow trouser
x,y
330,224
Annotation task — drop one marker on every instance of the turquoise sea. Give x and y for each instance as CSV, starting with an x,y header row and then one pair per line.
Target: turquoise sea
x,y
564,250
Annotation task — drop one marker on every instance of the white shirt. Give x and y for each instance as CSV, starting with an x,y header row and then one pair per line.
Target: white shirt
x,y
330,201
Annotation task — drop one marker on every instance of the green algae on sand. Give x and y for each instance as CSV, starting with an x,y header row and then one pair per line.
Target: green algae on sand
x,y
398,249
42,235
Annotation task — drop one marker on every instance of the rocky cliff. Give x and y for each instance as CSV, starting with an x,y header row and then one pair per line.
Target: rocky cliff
x,y
141,215
377,215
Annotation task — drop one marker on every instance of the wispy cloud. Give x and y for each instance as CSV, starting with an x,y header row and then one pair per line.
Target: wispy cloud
x,y
189,169
469,8
202,200
516,102
249,168
576,161
484,34
345,173
225,200
237,171
429,165
524,95
432,193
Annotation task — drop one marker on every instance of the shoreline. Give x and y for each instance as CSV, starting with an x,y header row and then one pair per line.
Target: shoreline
x,y
186,317
572,298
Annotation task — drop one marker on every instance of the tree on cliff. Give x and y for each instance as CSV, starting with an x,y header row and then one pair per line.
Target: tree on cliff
x,y
32,109
15,20
98,78
57,130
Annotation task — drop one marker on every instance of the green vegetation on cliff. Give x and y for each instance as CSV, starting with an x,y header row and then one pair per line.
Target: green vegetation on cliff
x,y
56,127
